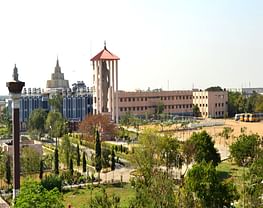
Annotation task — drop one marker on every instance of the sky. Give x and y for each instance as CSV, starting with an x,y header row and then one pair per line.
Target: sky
x,y
168,44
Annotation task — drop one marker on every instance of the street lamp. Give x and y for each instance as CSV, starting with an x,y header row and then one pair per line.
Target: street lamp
x,y
15,87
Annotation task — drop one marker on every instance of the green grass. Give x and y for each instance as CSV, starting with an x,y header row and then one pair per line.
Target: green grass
x,y
80,196
230,171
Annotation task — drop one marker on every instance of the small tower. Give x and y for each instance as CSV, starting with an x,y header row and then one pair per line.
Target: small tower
x,y
57,81
105,83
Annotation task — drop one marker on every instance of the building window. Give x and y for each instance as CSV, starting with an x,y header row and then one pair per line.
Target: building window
x,y
120,109
121,99
133,99
138,108
124,99
142,108
129,99
145,99
133,108
216,105
141,99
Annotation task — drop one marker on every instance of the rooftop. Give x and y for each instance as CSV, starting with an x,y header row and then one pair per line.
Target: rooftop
x,y
105,54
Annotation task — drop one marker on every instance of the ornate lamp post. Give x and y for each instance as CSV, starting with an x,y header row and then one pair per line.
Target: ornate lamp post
x,y
15,87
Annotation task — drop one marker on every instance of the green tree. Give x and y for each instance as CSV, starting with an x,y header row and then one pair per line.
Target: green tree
x,y
71,168
41,169
33,194
196,111
254,187
55,124
170,154
204,181
30,160
3,158
204,148
5,119
66,149
126,119
159,192
56,102
159,109
246,149
78,155
153,186
52,181
226,133
105,159
36,122
8,175
84,162
113,165
56,162
251,102
103,200
259,104
214,88
112,160
98,162
236,103
188,152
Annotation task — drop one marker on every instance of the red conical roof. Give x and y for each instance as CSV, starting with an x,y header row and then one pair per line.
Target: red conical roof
x,y
105,55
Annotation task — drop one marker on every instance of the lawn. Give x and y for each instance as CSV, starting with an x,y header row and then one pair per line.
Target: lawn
x,y
230,171
80,196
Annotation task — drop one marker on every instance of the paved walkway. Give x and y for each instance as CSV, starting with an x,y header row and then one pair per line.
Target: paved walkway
x,y
3,204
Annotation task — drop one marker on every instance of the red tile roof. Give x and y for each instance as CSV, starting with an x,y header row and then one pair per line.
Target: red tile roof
x,y
105,55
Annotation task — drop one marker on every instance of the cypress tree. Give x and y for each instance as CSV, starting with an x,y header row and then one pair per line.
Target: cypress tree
x,y
78,155
98,164
112,163
71,166
41,169
56,162
112,160
8,171
84,163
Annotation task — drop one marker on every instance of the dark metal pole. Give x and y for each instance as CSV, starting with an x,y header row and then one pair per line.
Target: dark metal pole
x,y
16,150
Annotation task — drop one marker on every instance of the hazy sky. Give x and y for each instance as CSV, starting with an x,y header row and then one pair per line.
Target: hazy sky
x,y
184,43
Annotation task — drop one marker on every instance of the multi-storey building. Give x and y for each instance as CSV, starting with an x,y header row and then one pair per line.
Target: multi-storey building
x,y
30,100
141,103
76,106
212,104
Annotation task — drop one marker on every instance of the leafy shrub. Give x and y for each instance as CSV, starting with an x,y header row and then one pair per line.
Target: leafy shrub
x,y
52,181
